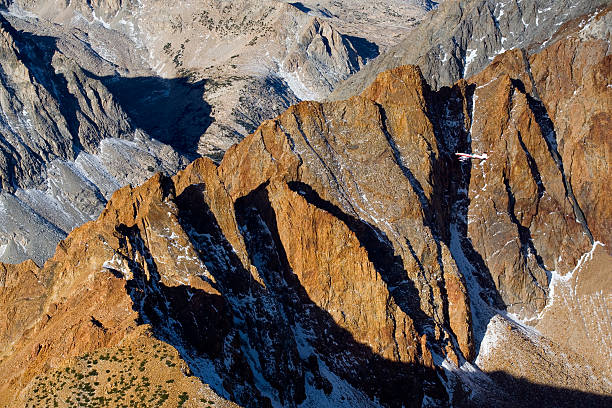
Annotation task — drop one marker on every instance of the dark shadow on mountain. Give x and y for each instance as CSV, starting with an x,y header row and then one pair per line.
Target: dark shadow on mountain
x,y
247,329
194,321
452,184
430,5
172,111
367,50
320,11
260,321
380,252
392,382
448,204
533,165
547,129
450,201
189,318
253,109
267,315
522,393
524,233
301,7
36,53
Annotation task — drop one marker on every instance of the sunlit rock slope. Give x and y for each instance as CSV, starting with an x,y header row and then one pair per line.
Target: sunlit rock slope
x,y
341,255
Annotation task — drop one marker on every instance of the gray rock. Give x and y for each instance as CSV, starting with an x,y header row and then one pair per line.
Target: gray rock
x,y
460,38
95,96
65,142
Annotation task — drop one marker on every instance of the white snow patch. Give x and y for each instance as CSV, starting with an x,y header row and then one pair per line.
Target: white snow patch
x,y
557,279
524,23
487,84
132,32
546,42
100,20
586,257
252,357
470,375
491,338
15,10
481,312
343,394
595,29
25,120
116,264
500,51
296,85
470,56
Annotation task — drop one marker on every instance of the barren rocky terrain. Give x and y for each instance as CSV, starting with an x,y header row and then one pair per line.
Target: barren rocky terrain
x,y
461,38
341,255
99,95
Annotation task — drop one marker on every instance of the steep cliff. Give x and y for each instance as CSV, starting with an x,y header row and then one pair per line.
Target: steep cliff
x,y
341,255
99,95
460,38
236,44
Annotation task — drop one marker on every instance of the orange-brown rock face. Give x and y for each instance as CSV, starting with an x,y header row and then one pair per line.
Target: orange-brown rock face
x,y
342,255
547,175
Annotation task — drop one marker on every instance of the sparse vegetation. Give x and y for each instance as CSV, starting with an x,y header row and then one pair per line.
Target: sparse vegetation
x,y
253,41
117,377
183,397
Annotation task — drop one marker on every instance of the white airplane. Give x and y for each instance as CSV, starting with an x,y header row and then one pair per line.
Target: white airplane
x,y
467,156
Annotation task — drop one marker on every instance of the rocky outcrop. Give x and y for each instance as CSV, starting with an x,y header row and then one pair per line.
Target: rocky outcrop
x,y
99,95
241,44
38,127
66,143
320,46
459,39
342,255
382,21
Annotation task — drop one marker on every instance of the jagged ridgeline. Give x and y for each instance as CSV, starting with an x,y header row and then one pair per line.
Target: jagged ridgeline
x,y
104,94
99,95
342,256
188,79
461,38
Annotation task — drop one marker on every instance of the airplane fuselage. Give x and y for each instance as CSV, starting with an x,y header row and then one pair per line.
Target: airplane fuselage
x,y
467,156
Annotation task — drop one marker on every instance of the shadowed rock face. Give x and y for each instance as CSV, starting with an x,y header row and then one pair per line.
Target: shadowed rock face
x,y
342,255
99,95
238,44
66,141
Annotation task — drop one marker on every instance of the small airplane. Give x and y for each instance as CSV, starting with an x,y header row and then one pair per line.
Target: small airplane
x,y
467,156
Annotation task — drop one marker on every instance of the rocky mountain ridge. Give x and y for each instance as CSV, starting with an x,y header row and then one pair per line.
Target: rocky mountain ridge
x,y
98,96
240,43
459,39
342,256
66,144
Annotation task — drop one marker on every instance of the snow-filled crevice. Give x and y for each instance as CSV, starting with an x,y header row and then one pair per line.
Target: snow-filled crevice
x,y
329,358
